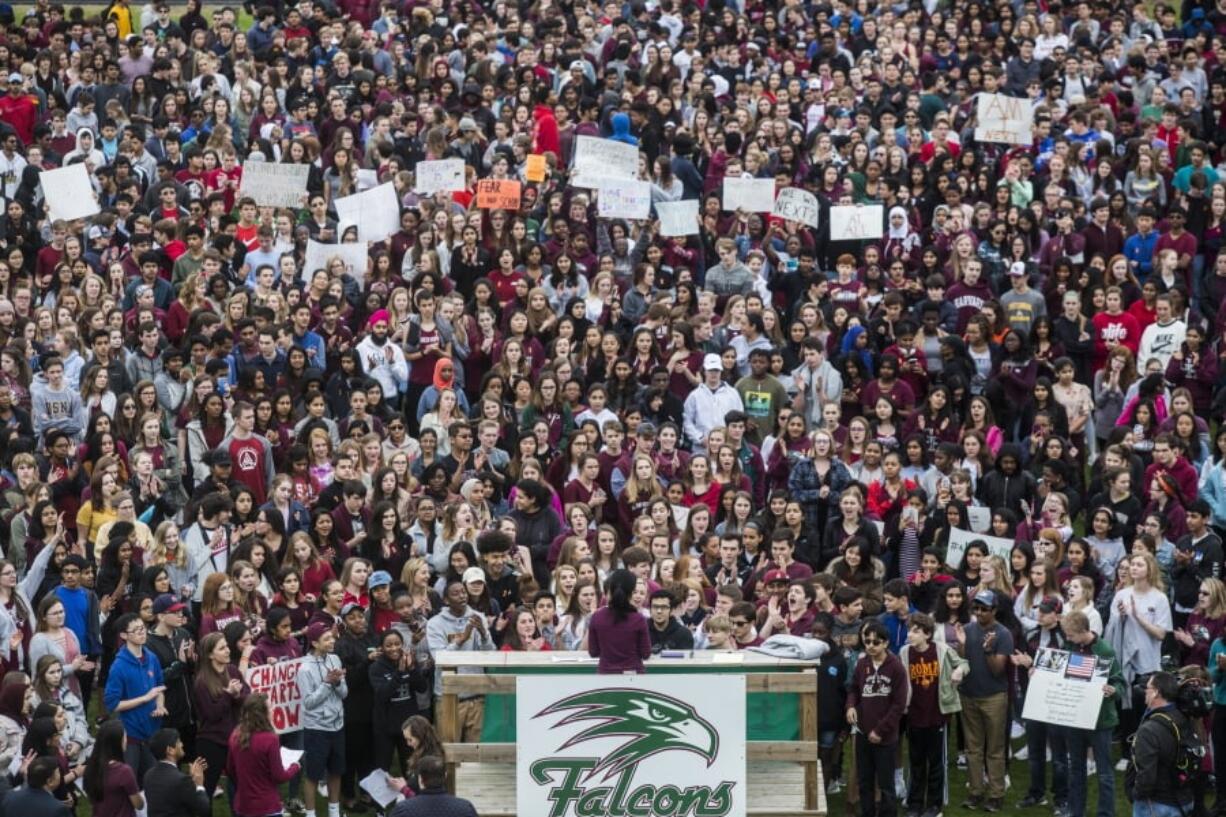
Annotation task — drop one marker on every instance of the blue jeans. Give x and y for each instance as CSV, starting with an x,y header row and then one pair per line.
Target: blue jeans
x,y
1079,740
1151,808
1039,736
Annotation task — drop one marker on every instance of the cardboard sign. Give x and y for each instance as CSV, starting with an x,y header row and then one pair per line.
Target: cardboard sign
x,y
624,198
678,218
597,159
750,195
442,176
1066,689
498,194
320,256
795,204
856,222
1006,119
536,167
959,539
375,212
280,683
274,185
68,193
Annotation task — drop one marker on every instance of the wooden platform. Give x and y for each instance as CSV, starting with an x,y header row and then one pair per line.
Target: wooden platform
x,y
774,789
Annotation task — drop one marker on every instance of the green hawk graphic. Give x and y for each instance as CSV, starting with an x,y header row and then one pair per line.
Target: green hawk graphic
x,y
653,722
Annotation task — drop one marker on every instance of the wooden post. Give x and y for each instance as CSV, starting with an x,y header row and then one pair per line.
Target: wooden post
x,y
808,732
449,724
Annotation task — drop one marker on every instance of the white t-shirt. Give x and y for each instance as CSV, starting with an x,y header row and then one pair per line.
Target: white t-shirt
x,y
1151,606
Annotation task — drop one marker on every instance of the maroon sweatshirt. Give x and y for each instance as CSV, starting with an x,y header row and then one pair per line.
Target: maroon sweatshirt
x,y
879,695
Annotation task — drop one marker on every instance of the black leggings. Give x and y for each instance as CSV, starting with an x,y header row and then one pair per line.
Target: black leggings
x,y
215,755
387,746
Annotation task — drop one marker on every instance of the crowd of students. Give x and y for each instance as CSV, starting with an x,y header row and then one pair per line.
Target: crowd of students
x,y
540,428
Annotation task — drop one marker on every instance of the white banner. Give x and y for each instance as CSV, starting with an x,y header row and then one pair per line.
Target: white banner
x,y
68,193
631,744
1007,119
319,255
624,198
280,683
599,159
275,185
959,539
678,218
1066,689
795,204
367,180
750,195
441,176
856,222
376,212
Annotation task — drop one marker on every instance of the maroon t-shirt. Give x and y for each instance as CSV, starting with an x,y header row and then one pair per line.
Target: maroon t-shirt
x,y
250,467
118,788
924,673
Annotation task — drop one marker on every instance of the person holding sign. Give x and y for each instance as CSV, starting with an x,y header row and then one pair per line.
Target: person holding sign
x,y
1041,736
1079,638
254,761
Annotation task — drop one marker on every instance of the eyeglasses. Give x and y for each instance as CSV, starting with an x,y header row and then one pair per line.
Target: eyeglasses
x,y
873,642
139,629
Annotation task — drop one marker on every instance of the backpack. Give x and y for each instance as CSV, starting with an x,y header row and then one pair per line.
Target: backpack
x,y
1189,758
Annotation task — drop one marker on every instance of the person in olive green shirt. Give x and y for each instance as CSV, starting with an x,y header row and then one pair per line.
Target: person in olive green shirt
x,y
763,396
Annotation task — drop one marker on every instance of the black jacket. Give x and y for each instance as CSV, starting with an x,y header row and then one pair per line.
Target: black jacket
x,y
171,793
354,652
176,674
1155,752
434,803
395,692
36,803
676,636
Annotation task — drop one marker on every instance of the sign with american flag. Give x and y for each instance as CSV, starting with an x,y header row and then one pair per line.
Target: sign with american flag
x,y
1064,689
1080,666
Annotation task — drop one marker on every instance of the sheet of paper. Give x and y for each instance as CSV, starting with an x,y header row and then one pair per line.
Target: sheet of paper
x,y
377,786
290,756
678,218
376,212
750,195
624,198
68,192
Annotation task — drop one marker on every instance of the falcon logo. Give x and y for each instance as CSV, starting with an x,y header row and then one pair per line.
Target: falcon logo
x,y
651,724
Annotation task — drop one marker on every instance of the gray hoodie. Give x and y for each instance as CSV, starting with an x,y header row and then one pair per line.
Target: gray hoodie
x,y
323,705
438,632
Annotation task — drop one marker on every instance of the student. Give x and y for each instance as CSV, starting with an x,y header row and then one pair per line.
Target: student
x,y
135,692
934,670
876,700
321,684
986,645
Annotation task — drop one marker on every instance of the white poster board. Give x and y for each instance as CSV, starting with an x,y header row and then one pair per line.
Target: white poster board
x,y
1066,689
594,744
280,683
275,185
441,176
678,218
856,222
68,193
624,198
599,159
750,195
980,518
795,204
367,179
959,539
1006,119
318,255
376,212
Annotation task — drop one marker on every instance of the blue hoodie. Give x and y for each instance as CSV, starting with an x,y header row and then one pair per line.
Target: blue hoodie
x,y
621,129
130,678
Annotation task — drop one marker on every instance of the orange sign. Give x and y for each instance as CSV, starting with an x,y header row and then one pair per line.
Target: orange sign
x,y
534,170
497,194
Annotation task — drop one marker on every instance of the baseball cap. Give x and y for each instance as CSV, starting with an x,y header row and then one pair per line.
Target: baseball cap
x,y
167,603
1051,604
15,77
773,576
317,631
468,123
350,607
1017,269
380,578
814,85
218,456
474,574
984,598
712,362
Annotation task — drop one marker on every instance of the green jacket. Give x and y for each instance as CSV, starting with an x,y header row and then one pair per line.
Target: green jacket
x,y
947,690
1108,714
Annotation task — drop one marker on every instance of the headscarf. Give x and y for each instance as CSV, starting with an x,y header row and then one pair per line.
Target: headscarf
x,y
849,348
441,382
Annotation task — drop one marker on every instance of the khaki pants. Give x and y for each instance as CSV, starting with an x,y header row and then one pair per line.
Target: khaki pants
x,y
471,712
983,720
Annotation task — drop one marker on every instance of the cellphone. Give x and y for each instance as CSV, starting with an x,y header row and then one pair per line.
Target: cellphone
x,y
223,385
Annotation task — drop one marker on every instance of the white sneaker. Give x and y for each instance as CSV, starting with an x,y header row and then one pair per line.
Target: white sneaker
x,y
900,784
835,787
1022,754
322,788
1122,766
1016,730
961,762
1008,782
1091,766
